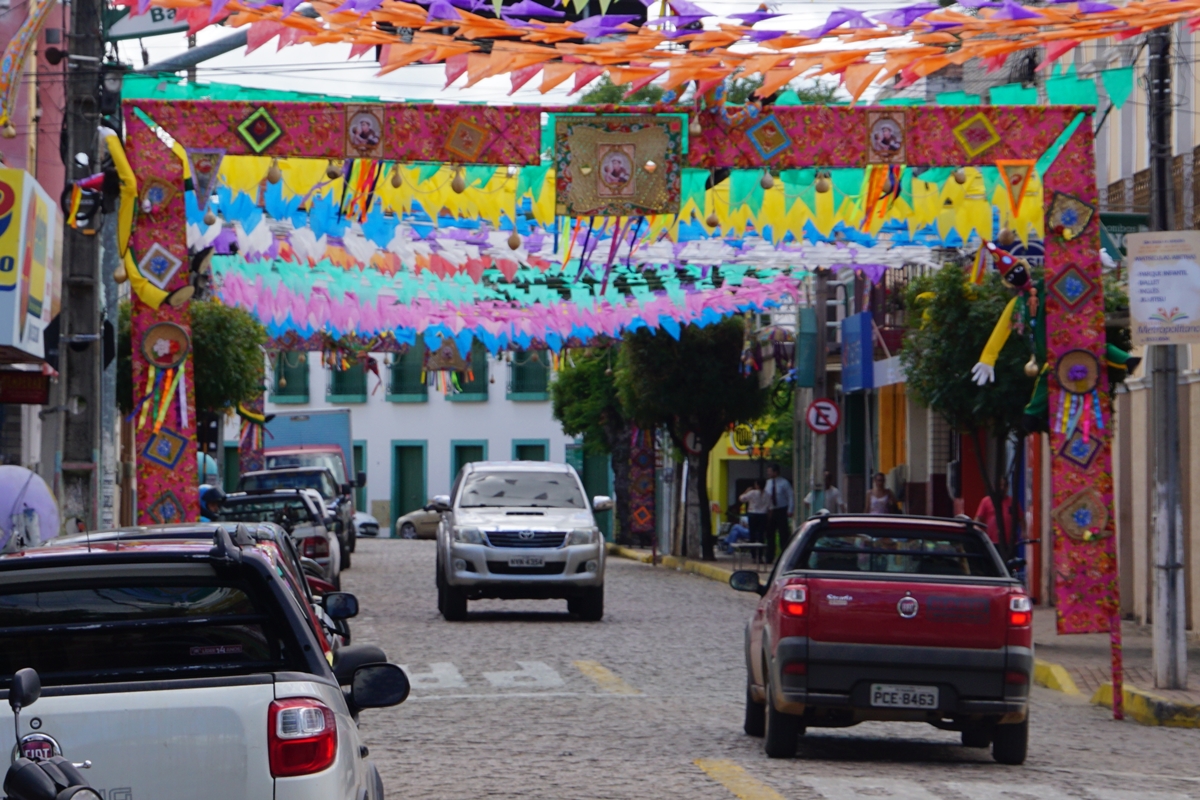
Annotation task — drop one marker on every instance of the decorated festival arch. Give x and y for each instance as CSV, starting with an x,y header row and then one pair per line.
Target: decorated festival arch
x,y
601,241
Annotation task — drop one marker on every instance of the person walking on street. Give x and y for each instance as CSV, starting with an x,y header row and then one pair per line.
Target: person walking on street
x,y
757,506
881,498
781,500
829,498
986,513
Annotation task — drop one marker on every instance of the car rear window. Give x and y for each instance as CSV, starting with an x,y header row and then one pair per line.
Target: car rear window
x,y
321,481
524,489
137,631
898,551
280,510
291,460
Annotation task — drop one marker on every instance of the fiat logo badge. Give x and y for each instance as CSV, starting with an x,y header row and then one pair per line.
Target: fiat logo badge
x,y
908,607
37,747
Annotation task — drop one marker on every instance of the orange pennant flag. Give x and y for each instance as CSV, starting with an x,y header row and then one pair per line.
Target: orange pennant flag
x,y
858,77
555,73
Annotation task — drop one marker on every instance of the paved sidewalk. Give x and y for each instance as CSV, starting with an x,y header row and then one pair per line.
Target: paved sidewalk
x,y
1087,657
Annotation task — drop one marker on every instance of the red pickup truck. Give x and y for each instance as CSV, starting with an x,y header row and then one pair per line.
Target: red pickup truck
x,y
889,618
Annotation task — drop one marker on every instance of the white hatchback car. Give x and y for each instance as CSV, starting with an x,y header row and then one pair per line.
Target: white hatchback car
x,y
519,529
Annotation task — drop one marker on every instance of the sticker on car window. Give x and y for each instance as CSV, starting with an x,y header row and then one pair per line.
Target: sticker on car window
x,y
216,650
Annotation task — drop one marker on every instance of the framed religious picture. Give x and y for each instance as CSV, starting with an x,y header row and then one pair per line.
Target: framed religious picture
x,y
887,137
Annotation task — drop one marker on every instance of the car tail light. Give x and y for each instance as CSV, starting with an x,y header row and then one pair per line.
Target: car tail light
x,y
1016,678
301,737
794,601
796,668
1020,610
316,547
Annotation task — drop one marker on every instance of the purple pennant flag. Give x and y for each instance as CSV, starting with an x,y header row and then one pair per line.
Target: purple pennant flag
x,y
754,17
843,16
1090,7
903,17
528,8
678,20
442,9
978,4
688,8
1011,10
763,36
290,5
601,25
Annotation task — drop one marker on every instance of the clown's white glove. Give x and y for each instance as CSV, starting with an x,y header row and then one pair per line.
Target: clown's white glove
x,y
983,373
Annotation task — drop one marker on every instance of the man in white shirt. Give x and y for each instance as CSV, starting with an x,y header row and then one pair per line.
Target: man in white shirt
x,y
829,498
782,502
757,506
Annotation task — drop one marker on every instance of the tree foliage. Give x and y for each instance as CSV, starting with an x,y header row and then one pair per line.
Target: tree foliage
x,y
227,348
690,385
605,92
584,399
946,334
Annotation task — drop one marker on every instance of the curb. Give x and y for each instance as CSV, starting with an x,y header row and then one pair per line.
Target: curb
x,y
1150,709
1054,676
701,568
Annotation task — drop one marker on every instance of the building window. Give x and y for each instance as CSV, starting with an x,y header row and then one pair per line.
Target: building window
x,y
529,375
531,450
291,377
474,384
348,385
407,382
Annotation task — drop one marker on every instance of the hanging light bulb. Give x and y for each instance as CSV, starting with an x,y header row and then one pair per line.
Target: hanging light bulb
x,y
274,173
514,241
767,182
333,171
459,184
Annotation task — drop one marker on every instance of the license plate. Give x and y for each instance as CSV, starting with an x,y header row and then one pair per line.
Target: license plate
x,y
886,695
527,561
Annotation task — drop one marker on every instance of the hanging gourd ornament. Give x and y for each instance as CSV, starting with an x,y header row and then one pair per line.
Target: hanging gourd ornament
x,y
767,182
9,131
960,176
209,217
712,220
822,183
459,184
282,382
514,241
333,172
1006,237
396,180
1031,367
274,173
695,128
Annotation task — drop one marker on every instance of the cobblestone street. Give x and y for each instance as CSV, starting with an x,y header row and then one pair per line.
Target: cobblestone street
x,y
523,701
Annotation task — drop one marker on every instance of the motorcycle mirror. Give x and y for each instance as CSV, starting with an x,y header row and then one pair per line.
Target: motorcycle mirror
x,y
26,689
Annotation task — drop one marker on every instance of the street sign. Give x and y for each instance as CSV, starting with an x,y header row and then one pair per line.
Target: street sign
x,y
822,416
691,443
120,24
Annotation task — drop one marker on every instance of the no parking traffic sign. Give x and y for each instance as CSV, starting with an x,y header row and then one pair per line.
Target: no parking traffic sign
x,y
822,416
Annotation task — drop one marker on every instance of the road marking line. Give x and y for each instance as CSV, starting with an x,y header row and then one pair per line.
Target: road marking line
x,y
737,780
531,675
605,678
1002,791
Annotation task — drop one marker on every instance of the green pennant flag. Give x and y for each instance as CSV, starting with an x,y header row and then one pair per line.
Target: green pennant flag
x,y
957,99
532,180
426,172
1067,90
1014,94
692,187
795,184
478,175
848,181
1118,84
991,179
937,175
745,189
789,98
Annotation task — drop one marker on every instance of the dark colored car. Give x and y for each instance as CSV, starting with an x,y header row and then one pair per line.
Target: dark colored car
x,y
881,617
301,512
338,498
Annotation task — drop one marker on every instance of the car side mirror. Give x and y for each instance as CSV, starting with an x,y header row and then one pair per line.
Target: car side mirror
x,y
346,488
1015,564
360,480
602,502
25,690
378,686
439,503
340,605
746,580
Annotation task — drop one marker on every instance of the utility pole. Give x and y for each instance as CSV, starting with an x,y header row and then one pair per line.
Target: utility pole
x,y
76,425
820,384
1170,644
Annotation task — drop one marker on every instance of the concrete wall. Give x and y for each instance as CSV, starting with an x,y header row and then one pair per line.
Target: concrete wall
x,y
436,423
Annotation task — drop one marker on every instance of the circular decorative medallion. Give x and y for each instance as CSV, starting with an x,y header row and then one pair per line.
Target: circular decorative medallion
x,y
166,345
1078,371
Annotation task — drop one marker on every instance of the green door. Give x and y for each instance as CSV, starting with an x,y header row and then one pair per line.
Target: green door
x,y
232,467
409,474
596,482
530,452
360,465
465,454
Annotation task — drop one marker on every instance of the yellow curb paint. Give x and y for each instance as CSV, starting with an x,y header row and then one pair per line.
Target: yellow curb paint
x,y
1053,676
701,568
604,677
737,780
628,552
1150,709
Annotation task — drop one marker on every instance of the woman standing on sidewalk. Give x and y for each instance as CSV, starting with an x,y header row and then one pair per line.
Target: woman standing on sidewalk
x,y
757,506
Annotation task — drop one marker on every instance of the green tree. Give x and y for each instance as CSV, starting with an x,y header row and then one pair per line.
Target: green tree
x,y
949,322
692,386
227,349
606,93
741,90
584,399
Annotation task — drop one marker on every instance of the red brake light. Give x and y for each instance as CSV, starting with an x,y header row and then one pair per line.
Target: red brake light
x,y
301,737
1020,611
316,547
793,601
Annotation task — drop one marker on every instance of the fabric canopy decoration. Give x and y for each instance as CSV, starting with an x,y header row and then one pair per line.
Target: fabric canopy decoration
x,y
525,41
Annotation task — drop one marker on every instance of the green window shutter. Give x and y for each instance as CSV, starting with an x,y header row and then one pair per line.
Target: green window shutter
x,y
233,467
529,376
291,377
348,385
407,378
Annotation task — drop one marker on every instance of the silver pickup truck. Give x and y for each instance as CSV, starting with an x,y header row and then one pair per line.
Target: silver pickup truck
x,y
187,670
